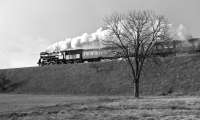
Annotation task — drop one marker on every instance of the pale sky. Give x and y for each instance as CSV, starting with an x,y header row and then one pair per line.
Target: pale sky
x,y
27,27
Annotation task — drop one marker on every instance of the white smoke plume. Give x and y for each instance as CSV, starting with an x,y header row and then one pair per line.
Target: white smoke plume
x,y
94,40
85,41
180,32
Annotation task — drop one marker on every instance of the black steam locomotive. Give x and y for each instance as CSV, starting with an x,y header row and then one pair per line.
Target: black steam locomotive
x,y
94,55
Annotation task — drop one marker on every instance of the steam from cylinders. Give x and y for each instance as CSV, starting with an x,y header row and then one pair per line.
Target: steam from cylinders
x,y
94,40
85,41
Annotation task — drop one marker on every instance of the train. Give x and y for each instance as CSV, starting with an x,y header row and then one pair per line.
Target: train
x,y
162,49
78,56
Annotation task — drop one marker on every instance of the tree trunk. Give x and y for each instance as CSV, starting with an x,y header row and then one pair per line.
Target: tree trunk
x,y
136,88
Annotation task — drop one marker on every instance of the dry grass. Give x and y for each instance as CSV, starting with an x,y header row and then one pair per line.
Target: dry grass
x,y
43,107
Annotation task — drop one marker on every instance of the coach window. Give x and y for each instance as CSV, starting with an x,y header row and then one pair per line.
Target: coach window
x,y
95,52
89,53
67,57
85,53
73,56
77,55
102,52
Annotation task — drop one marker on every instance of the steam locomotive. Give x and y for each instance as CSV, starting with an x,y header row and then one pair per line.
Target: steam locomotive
x,y
162,49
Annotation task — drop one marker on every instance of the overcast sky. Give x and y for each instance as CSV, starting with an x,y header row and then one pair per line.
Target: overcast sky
x,y
27,27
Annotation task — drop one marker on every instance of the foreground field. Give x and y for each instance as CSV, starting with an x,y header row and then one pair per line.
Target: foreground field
x,y
51,107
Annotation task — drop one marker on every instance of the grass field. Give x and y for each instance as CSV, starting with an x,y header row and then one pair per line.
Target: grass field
x,y
57,107
101,91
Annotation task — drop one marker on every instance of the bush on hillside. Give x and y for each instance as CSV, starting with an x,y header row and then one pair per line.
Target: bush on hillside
x,y
6,85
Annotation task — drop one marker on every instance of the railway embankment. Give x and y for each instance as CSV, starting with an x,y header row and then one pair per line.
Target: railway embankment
x,y
161,76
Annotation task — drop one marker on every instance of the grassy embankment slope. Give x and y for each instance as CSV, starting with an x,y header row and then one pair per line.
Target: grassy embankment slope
x,y
176,75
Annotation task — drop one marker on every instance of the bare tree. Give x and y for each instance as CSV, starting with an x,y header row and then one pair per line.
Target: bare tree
x,y
135,34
